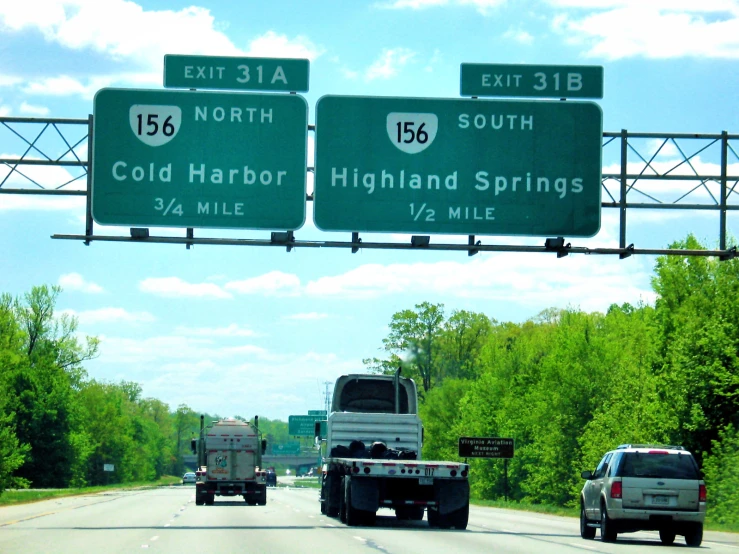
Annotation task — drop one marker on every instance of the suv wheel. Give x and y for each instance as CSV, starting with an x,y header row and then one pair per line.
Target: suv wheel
x,y
607,531
585,531
667,536
694,537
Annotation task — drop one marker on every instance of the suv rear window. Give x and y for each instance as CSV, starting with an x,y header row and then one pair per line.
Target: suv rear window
x,y
665,466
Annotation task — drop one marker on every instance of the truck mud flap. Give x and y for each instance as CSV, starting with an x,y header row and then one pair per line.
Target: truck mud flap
x,y
451,495
365,495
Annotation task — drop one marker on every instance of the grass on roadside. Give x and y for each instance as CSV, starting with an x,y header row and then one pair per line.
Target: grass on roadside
x,y
11,497
575,512
303,483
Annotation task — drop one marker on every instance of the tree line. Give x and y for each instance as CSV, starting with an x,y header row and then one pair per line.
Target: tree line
x,y
58,427
568,386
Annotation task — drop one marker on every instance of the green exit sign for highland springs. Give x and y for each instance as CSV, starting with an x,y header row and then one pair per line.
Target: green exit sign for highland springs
x,y
458,166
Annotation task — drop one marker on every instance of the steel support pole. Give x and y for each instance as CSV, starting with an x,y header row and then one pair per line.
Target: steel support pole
x,y
89,231
622,199
724,174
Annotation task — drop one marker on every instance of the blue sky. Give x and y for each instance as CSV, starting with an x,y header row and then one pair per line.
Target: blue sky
x,y
238,330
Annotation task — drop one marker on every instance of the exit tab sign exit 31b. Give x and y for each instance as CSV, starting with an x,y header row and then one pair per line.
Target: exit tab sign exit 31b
x,y
524,81
236,73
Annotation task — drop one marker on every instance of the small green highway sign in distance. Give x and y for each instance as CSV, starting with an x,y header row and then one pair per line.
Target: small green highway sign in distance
x,y
199,159
303,425
236,73
458,166
543,81
287,449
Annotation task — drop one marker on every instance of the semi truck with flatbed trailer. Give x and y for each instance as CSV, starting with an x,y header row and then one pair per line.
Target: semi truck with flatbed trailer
x,y
229,455
372,457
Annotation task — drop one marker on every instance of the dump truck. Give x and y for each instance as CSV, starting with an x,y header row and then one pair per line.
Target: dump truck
x,y
229,454
371,448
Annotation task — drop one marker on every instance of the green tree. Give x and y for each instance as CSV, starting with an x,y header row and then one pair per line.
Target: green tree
x,y
698,315
412,344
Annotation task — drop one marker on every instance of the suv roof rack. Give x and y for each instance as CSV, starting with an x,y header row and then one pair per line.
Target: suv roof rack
x,y
667,446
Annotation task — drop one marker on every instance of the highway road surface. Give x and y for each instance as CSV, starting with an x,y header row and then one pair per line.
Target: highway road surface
x,y
166,520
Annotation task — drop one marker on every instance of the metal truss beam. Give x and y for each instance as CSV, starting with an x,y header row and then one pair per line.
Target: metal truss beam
x,y
642,171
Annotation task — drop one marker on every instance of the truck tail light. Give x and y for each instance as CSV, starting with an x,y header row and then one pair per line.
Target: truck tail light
x,y
366,470
616,489
701,493
355,469
464,473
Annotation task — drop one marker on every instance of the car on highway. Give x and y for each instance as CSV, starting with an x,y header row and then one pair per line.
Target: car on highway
x,y
188,477
640,487
271,478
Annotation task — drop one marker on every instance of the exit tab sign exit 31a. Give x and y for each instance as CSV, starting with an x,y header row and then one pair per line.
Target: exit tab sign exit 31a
x,y
236,73
542,81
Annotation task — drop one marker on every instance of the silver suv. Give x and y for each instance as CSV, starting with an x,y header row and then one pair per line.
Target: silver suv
x,y
644,487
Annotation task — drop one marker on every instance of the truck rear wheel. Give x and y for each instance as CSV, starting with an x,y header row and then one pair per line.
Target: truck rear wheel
x,y
262,498
199,497
459,518
210,498
332,495
352,516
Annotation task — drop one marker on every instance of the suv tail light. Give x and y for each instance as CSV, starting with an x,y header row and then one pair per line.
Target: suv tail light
x,y
616,489
701,493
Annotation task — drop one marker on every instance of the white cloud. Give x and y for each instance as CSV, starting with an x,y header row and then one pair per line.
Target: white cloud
x,y
107,27
483,6
273,45
232,330
390,62
274,283
10,80
111,315
592,283
5,111
174,287
435,59
34,110
615,29
75,281
309,316
162,348
519,35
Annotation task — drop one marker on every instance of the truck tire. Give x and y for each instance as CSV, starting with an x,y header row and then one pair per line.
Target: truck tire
x,y
342,500
332,494
436,520
210,499
459,518
199,497
262,498
352,516
416,513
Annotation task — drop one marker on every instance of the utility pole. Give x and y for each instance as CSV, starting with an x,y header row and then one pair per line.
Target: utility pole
x,y
327,397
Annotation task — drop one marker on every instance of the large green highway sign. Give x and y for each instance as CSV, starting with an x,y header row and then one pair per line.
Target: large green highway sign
x,y
458,166
303,425
199,159
543,81
233,73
